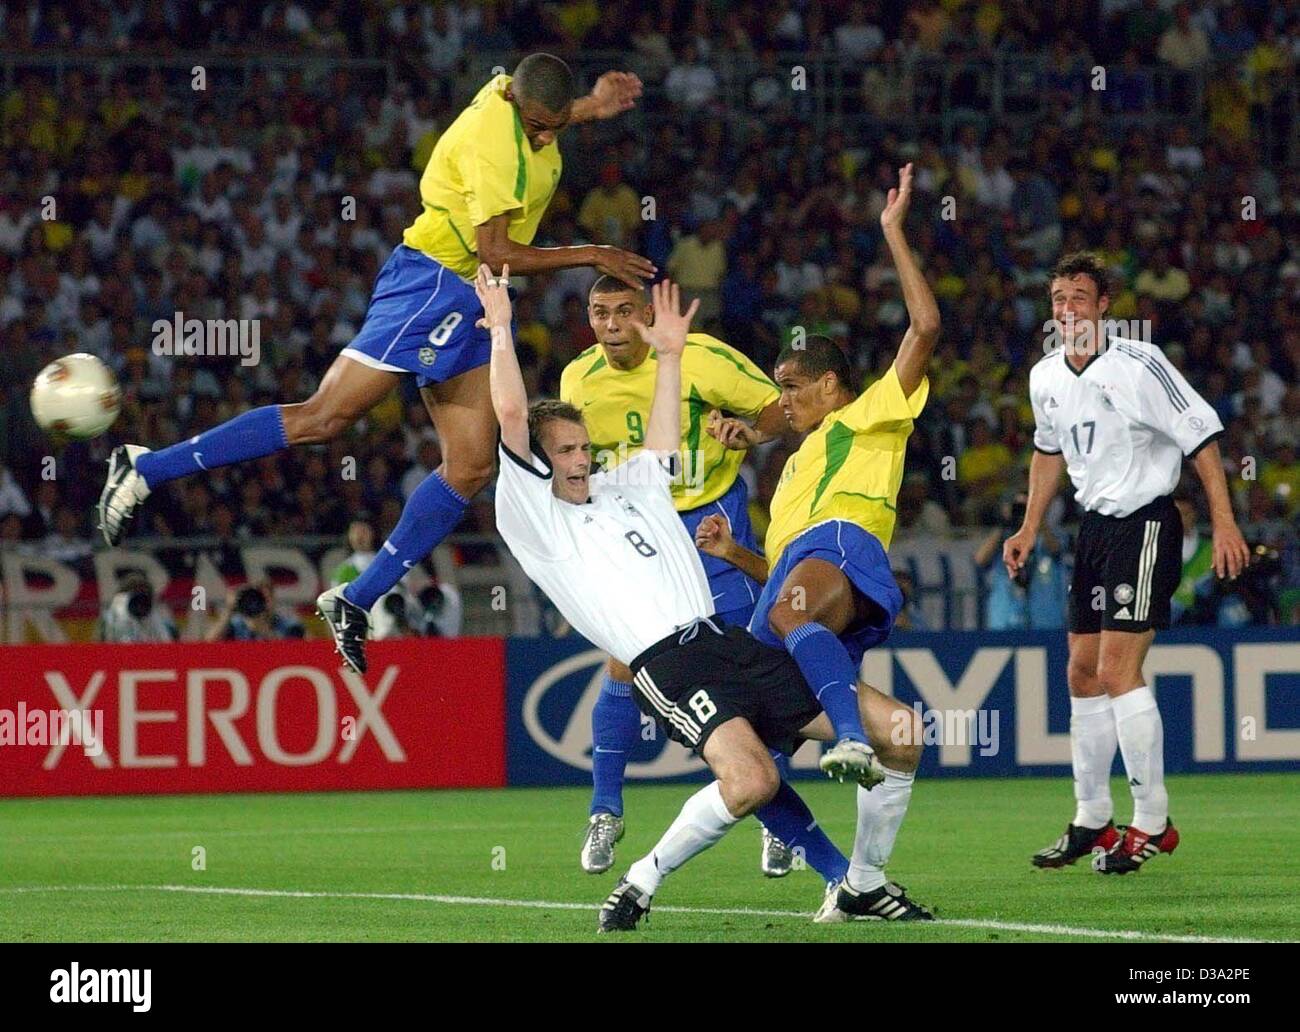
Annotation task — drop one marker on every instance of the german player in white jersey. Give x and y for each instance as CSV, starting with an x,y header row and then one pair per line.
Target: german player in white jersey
x,y
1117,416
613,555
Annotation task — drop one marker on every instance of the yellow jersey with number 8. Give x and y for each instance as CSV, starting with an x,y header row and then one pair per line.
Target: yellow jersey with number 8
x,y
482,166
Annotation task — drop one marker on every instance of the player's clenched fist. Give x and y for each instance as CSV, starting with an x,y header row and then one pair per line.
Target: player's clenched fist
x,y
494,295
713,537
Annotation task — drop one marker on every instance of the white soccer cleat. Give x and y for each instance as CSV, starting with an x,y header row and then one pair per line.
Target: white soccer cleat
x,y
776,858
829,912
603,831
849,760
349,625
123,493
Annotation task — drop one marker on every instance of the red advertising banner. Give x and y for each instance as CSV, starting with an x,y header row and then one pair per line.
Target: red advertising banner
x,y
250,717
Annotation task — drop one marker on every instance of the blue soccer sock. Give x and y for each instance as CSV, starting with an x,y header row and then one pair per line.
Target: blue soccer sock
x,y
782,762
431,513
788,818
252,435
615,729
831,674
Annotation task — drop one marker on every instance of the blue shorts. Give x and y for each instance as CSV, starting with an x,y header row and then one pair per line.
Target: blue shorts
x,y
861,556
421,320
734,592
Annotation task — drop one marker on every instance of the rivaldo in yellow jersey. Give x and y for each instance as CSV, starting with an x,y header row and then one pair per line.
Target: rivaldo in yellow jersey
x,y
485,189
829,592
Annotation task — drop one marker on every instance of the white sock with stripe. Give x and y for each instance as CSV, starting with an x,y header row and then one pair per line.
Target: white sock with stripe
x,y
703,821
1142,741
880,814
1093,742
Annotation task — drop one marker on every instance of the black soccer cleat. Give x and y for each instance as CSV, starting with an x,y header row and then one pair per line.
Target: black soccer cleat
x,y
1135,849
349,624
1075,843
625,907
890,902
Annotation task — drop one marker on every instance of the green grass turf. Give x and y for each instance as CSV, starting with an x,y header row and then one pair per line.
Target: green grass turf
x,y
964,850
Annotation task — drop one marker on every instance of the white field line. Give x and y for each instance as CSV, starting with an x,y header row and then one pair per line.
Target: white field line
x,y
1067,931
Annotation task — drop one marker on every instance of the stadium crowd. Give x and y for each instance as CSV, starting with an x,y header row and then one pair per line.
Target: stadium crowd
x,y
129,196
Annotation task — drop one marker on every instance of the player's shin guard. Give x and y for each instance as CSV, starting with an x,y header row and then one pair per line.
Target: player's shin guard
x,y
431,513
788,818
1093,742
1142,743
831,674
703,821
252,435
615,729
880,814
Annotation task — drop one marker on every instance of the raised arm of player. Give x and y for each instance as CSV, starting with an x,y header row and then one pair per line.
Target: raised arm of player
x,y
1231,555
913,357
506,380
668,337
614,93
1044,480
497,250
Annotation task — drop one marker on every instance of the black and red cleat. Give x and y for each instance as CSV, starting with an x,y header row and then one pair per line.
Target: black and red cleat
x,y
1135,849
1075,843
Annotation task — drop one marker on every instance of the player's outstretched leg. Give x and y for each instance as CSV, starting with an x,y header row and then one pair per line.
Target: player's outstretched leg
x,y
461,409
348,390
866,892
746,780
615,730
815,603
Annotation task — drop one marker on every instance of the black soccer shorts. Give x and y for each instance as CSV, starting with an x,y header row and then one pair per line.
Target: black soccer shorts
x,y
697,679
1126,569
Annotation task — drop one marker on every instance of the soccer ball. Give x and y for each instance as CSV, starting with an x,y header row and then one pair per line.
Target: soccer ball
x,y
76,396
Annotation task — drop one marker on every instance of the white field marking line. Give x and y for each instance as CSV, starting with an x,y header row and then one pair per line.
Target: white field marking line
x,y
537,904
404,829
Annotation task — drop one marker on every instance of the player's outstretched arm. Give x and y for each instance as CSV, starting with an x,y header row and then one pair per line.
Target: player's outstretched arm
x,y
713,537
668,337
496,249
913,358
1231,554
1044,481
614,93
509,396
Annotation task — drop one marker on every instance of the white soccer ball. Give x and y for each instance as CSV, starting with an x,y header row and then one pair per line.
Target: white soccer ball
x,y
76,396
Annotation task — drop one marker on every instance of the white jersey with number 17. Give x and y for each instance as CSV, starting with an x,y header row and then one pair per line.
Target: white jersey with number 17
x,y
1124,423
621,568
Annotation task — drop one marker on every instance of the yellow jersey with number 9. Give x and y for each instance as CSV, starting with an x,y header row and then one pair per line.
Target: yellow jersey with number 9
x,y
615,405
850,467
482,166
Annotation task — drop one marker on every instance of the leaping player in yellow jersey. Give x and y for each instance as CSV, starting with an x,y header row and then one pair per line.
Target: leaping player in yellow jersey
x,y
612,383
830,594
483,194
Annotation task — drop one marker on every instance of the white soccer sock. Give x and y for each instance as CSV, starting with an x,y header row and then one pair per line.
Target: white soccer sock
x,y
703,821
1093,741
1142,741
880,813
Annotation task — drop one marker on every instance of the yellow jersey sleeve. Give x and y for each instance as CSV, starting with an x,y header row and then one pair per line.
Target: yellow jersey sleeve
x,y
883,408
725,378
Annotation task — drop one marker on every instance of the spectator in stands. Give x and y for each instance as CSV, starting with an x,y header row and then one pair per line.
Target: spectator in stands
x,y
250,614
136,615
1035,599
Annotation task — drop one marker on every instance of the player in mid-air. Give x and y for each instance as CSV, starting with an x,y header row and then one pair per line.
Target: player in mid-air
x,y
611,552
830,593
484,192
1117,416
613,384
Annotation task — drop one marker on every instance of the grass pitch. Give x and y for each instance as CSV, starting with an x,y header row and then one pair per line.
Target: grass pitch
x,y
502,865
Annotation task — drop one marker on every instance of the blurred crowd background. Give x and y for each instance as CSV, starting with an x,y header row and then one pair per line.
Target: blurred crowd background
x,y
204,158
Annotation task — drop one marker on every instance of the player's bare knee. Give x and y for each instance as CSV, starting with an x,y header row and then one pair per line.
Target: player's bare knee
x,y
467,475
901,748
1114,681
784,618
1082,678
314,422
746,783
